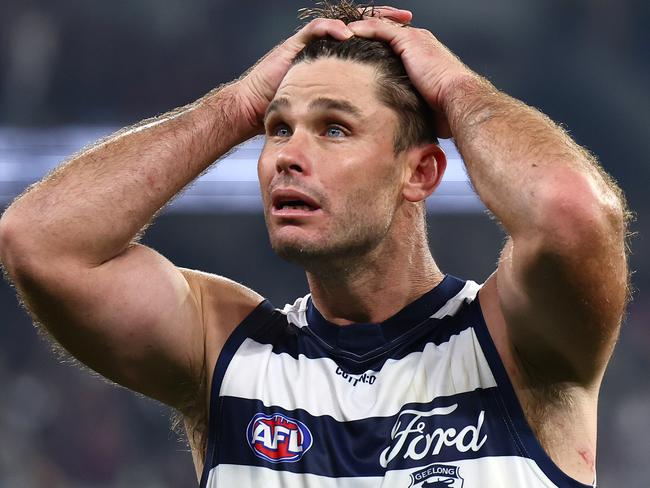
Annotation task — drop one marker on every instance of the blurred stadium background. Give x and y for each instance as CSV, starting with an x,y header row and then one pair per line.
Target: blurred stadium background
x,y
73,71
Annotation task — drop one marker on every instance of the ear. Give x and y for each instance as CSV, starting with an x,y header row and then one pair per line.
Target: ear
x,y
425,166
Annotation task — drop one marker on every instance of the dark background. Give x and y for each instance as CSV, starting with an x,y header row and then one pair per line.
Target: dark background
x,y
584,63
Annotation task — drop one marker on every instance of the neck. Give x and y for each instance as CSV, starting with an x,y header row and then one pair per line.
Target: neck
x,y
374,287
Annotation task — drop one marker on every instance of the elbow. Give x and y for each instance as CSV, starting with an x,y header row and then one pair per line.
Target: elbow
x,y
14,254
7,241
581,214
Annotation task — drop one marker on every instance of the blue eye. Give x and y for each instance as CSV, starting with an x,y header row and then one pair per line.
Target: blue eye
x,y
335,132
282,131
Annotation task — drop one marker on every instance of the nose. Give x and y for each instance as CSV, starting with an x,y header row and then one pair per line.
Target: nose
x,y
293,157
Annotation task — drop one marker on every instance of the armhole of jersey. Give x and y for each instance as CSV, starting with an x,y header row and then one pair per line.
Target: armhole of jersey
x,y
523,433
257,318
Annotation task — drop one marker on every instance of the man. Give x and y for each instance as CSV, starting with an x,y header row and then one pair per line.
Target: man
x,y
390,373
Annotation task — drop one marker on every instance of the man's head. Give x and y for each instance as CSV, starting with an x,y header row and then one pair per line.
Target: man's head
x,y
350,153
393,86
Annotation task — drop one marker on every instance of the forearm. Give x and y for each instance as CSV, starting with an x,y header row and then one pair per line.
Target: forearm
x,y
91,207
523,166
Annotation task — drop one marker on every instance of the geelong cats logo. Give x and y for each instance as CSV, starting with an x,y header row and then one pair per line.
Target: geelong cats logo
x,y
277,438
437,476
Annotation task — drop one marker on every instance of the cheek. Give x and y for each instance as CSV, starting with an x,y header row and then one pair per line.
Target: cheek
x,y
264,173
367,199
377,183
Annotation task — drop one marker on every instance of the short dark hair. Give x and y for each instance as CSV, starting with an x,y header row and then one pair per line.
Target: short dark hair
x,y
416,120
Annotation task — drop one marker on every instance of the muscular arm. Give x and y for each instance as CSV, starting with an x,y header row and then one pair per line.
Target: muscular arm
x,y
562,278
90,208
118,306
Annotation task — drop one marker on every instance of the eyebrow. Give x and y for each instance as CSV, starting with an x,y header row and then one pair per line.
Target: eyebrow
x,y
276,105
334,104
322,103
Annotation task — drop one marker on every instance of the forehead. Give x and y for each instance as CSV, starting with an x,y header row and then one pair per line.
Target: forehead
x,y
330,77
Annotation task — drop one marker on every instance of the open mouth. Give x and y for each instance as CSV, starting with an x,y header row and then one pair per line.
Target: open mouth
x,y
294,205
288,201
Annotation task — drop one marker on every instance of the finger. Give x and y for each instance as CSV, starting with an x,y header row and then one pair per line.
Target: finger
x,y
383,8
390,20
376,29
399,16
318,28
386,12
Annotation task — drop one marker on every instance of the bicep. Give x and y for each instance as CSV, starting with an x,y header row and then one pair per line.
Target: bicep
x,y
562,300
135,319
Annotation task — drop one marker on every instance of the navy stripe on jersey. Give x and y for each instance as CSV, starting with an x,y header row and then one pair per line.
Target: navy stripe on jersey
x,y
350,449
364,339
287,338
512,408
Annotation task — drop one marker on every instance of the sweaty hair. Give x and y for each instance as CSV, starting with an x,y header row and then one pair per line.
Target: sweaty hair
x,y
416,122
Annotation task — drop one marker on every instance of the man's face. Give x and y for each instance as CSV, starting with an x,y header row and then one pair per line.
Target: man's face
x,y
329,177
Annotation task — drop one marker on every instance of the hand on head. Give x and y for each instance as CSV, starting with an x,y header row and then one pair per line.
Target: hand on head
x,y
431,66
259,84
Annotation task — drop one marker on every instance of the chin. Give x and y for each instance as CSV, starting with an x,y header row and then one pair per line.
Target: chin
x,y
298,251
318,249
320,255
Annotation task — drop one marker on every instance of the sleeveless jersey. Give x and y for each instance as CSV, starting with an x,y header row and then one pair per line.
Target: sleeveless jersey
x,y
421,400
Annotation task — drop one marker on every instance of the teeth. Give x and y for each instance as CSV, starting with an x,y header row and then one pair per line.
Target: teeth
x,y
296,207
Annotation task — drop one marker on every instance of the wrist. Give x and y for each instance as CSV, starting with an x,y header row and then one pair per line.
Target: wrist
x,y
229,114
460,87
464,95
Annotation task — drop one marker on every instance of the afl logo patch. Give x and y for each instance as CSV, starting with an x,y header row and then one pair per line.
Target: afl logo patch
x,y
277,438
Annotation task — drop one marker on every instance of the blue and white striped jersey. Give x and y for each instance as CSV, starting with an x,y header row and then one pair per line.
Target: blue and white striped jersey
x,y
421,400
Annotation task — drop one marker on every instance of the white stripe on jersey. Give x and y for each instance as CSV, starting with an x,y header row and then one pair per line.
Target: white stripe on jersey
x,y
482,472
297,312
456,366
466,295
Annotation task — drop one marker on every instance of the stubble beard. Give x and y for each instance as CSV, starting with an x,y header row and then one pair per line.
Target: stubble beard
x,y
340,250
